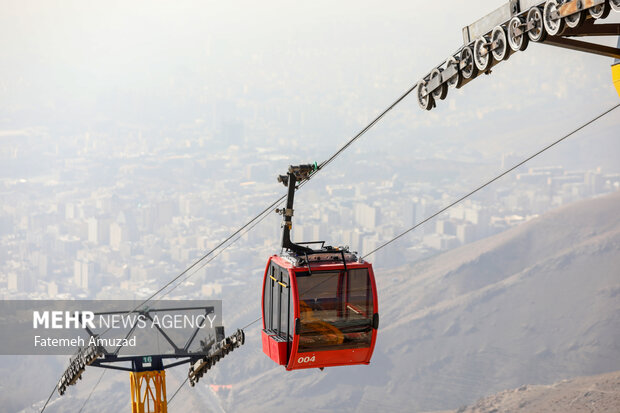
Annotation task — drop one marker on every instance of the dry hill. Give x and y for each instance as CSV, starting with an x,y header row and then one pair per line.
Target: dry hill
x,y
599,394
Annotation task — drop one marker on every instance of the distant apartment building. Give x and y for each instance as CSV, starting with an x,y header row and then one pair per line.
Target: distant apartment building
x,y
99,230
83,274
366,216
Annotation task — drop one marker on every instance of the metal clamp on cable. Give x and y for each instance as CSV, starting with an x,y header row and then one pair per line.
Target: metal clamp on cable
x,y
301,171
77,364
287,212
283,179
215,351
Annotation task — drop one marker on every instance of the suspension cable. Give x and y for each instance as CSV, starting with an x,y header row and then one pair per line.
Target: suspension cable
x,y
323,164
481,187
493,180
262,214
268,209
177,390
214,257
92,391
49,398
367,128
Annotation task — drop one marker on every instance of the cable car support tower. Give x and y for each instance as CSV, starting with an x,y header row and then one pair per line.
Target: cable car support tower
x,y
510,28
147,373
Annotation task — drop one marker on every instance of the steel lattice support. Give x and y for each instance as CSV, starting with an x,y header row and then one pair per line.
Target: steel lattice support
x,y
510,28
148,392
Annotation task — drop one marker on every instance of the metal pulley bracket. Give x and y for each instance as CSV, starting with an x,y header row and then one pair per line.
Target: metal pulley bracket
x,y
77,364
509,29
575,6
302,172
489,47
283,179
287,212
295,174
214,354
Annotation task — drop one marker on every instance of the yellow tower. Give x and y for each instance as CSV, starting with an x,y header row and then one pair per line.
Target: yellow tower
x,y
615,72
148,392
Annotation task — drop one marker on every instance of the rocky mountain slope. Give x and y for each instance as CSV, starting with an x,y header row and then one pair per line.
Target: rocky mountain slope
x,y
599,394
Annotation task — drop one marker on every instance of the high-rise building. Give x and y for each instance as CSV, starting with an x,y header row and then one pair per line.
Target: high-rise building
x,y
93,230
12,282
366,216
466,233
52,289
22,282
99,230
70,211
83,272
43,265
116,236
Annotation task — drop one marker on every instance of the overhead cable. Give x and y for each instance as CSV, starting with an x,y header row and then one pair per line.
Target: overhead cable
x,y
551,145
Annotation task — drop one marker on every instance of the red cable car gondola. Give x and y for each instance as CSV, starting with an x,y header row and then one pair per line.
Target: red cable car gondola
x,y
319,305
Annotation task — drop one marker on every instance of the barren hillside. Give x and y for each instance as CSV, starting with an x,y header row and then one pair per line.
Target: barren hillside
x,y
599,394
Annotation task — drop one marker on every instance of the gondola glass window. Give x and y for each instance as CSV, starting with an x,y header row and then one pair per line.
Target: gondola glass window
x,y
336,310
278,309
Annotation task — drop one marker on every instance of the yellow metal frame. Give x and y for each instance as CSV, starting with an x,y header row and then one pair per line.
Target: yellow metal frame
x,y
148,392
615,75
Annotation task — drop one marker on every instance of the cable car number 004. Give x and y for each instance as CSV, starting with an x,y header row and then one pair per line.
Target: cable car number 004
x,y
306,359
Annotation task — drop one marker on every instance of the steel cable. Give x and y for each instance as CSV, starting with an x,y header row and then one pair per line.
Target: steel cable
x,y
322,165
492,180
262,214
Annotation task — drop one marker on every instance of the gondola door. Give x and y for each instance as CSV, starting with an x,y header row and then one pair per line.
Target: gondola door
x,y
277,314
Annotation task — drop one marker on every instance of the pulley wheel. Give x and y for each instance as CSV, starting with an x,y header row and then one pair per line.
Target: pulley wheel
x,y
538,32
482,54
575,20
517,42
455,81
469,70
425,102
442,91
502,49
601,11
553,25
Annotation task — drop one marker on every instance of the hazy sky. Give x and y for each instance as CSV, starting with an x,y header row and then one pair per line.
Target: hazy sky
x,y
74,49
155,62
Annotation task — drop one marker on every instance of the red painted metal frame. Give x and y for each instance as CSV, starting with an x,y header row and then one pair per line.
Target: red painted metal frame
x,y
316,359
